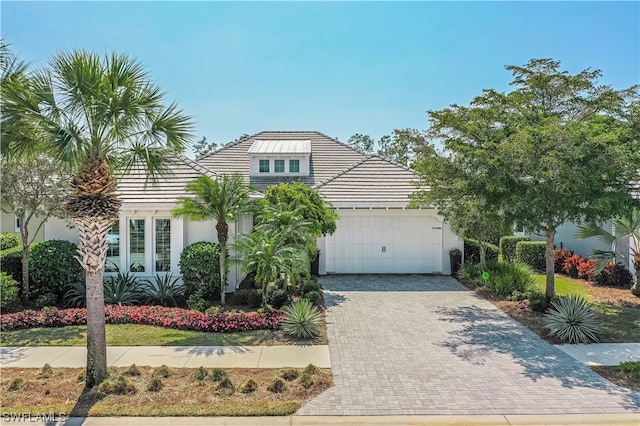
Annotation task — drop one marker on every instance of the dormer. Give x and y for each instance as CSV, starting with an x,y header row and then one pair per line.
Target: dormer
x,y
280,157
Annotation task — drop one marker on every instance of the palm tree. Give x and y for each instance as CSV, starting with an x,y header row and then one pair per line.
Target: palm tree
x,y
625,229
290,224
222,200
269,257
102,115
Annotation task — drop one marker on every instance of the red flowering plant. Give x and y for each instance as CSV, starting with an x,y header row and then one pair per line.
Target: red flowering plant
x,y
182,319
571,265
586,269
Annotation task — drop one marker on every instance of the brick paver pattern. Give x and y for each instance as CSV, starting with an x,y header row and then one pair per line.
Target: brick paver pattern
x,y
418,344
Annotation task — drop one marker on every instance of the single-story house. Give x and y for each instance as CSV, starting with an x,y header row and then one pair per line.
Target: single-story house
x,y
376,232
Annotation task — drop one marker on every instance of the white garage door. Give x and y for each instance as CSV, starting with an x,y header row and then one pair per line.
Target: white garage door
x,y
385,244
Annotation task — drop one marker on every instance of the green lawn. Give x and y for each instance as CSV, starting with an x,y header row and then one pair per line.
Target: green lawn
x,y
133,335
563,286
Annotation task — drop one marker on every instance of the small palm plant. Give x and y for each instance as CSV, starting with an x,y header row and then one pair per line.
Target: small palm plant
x,y
165,291
302,319
573,320
123,289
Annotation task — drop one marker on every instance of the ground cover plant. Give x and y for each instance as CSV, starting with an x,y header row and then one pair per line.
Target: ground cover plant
x,y
243,392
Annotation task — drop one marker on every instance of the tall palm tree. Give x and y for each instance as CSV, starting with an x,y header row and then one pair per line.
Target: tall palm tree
x,y
290,224
102,115
222,200
625,229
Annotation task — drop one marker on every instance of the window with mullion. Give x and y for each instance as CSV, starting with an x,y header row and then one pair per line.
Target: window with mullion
x,y
294,166
278,166
163,245
264,166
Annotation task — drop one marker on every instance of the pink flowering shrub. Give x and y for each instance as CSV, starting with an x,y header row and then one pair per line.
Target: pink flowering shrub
x,y
149,315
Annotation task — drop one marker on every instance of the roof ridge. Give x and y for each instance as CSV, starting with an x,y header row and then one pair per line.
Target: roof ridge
x,y
332,178
197,167
394,163
223,147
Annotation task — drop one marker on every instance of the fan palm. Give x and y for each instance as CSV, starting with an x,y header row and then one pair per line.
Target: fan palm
x,y
101,115
290,224
625,236
222,200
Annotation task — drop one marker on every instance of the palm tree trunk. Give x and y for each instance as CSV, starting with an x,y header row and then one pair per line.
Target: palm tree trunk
x,y
92,252
223,237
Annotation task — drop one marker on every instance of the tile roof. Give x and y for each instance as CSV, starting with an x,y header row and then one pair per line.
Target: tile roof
x,y
373,182
328,158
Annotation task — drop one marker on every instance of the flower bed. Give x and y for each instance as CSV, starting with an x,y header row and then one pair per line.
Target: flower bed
x,y
149,315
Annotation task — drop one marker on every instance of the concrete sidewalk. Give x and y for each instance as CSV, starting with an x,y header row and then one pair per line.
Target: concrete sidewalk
x,y
172,356
603,353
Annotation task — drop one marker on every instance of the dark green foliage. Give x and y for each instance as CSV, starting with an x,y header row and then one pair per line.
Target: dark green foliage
x,y
225,387
117,385
132,371
53,266
517,295
11,263
531,253
313,297
614,275
8,240
306,380
155,384
240,297
277,386
16,384
166,291
538,302
76,296
630,367
8,290
123,289
196,302
218,374
199,375
200,269
472,251
508,246
254,299
278,298
250,386
308,285
46,299
506,277
289,374
163,372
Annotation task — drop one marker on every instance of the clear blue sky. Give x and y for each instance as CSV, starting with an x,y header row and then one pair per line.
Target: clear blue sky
x,y
337,67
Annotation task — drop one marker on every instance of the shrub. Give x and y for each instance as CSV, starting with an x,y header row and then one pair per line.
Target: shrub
x,y
571,265
517,295
240,297
123,289
225,387
309,285
155,384
630,367
166,291
199,375
213,310
250,386
76,296
614,275
471,274
46,299
254,299
8,240
289,374
302,319
572,320
508,246
16,384
196,302
310,369
45,372
312,296
53,266
531,253
506,277
117,385
132,371
586,269
472,252
11,263
200,269
163,372
538,301
306,380
277,386
218,374
278,298
8,290
560,256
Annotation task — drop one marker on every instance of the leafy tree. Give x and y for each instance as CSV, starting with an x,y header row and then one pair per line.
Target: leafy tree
x,y
361,142
401,145
222,200
99,114
307,202
557,148
626,228
33,187
202,147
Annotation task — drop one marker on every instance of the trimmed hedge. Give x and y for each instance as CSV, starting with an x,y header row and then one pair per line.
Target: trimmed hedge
x,y
472,252
508,246
200,269
53,266
8,240
11,262
8,290
531,253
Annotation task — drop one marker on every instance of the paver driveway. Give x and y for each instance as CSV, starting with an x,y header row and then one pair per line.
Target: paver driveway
x,y
417,344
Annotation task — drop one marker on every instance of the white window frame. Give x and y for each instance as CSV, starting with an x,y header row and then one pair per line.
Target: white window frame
x,y
275,166
146,246
297,161
154,259
268,162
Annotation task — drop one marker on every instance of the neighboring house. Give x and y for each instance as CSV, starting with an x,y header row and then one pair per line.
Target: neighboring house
x,y
376,232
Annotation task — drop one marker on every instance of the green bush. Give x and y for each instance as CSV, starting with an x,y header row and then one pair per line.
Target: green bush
x,y
196,302
508,246
8,240
531,253
11,263
200,269
218,374
312,296
632,368
76,296
240,297
471,274
278,298
53,266
302,319
472,252
163,372
118,385
307,380
309,285
573,320
505,278
213,310
254,299
46,299
8,290
166,291
538,301
155,384
122,289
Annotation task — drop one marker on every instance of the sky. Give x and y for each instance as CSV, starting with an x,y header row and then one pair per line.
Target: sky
x,y
337,67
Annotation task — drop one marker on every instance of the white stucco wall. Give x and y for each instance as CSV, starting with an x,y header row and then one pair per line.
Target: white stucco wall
x,y
255,165
566,238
